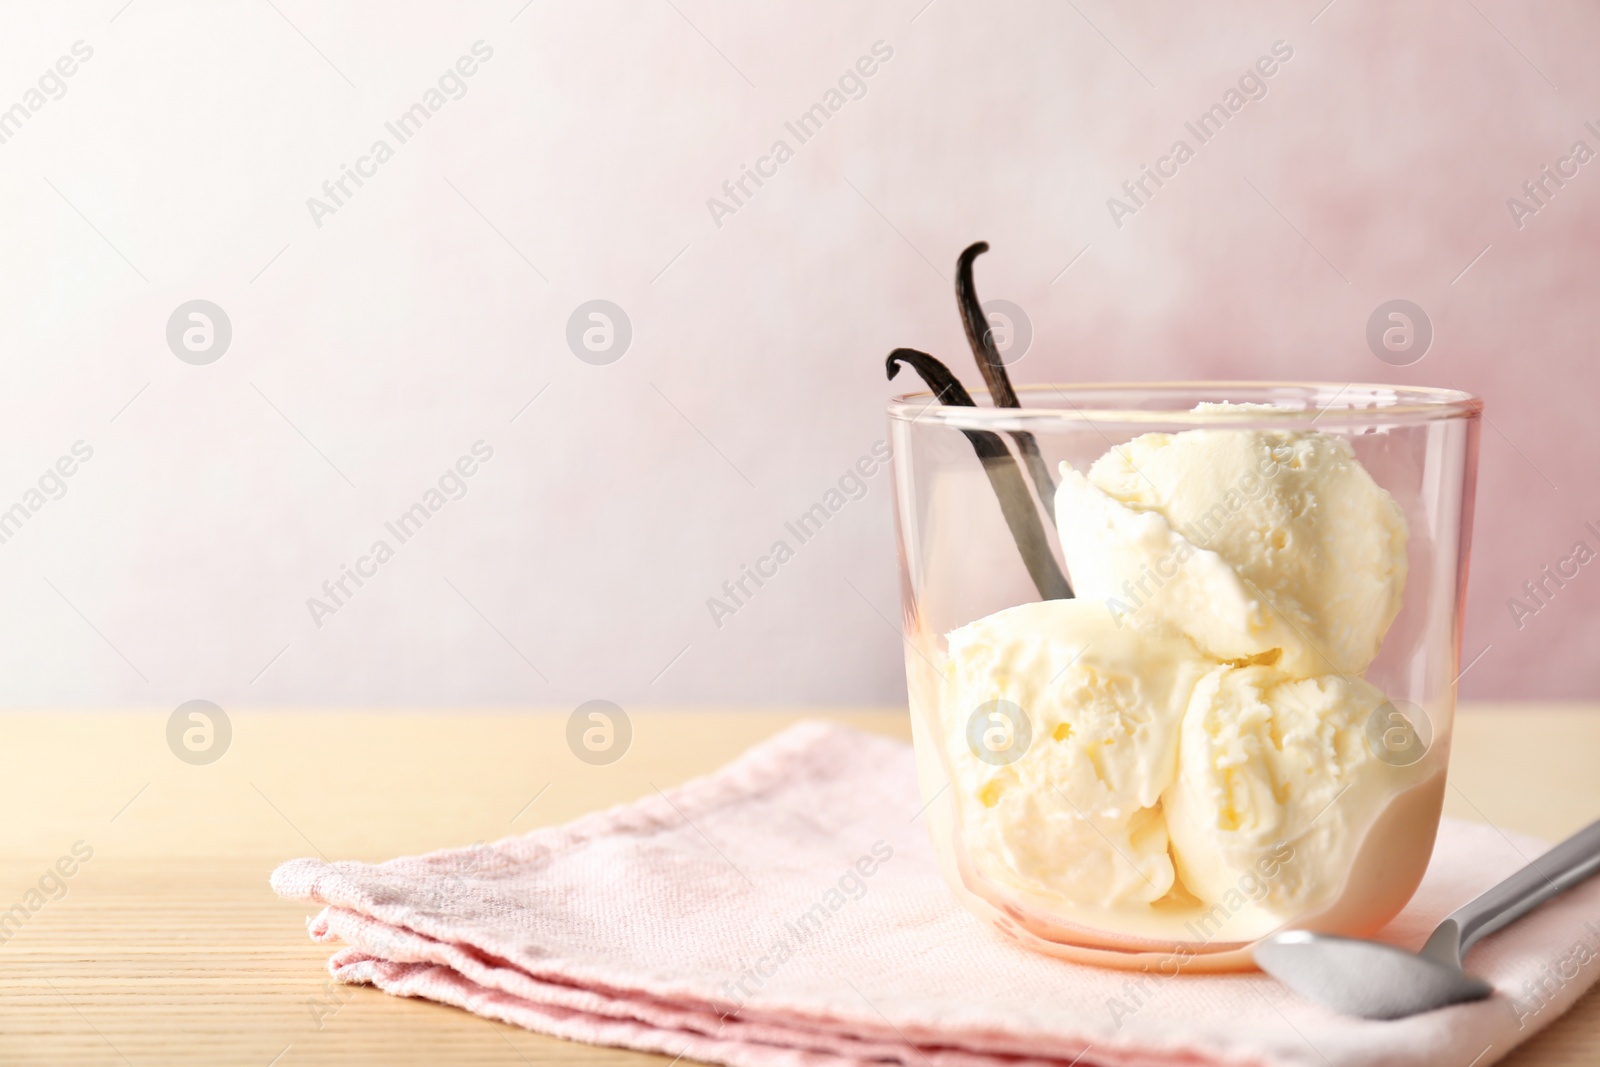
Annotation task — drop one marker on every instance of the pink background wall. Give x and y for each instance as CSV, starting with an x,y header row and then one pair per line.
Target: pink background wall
x,y
371,351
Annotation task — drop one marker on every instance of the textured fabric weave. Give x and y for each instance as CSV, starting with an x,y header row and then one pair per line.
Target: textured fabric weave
x,y
787,912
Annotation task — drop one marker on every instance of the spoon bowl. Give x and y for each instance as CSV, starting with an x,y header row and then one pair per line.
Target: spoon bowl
x,y
1365,978
1378,981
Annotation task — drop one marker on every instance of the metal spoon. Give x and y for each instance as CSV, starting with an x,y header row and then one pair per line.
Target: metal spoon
x,y
1380,981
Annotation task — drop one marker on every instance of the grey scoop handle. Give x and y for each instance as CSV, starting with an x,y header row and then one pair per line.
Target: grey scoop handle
x,y
1558,870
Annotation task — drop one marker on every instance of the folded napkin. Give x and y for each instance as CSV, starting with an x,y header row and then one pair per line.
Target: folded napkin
x,y
787,912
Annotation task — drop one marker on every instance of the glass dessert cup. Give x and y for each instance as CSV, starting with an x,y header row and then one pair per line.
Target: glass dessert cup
x,y
1181,657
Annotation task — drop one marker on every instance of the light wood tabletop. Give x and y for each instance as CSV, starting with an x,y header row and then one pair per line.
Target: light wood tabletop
x,y
166,946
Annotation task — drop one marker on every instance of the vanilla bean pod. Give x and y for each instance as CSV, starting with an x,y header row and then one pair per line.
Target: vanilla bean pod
x,y
981,337
1016,504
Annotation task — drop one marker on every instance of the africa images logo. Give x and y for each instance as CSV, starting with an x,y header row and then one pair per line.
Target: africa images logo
x,y
451,85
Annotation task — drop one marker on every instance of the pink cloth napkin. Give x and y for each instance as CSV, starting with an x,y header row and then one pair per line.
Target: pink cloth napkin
x,y
786,912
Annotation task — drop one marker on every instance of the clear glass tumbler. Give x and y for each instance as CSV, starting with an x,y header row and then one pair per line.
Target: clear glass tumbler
x,y
1182,657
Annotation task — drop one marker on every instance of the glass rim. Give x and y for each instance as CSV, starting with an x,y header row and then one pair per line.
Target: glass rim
x,y
1083,403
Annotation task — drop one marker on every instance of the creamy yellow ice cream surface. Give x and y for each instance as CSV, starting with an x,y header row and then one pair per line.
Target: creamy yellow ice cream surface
x,y
1066,805
1295,516
1267,760
1192,728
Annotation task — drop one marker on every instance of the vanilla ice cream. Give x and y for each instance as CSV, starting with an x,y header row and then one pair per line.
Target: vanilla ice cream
x,y
1182,752
1071,810
1153,578
1293,514
1268,760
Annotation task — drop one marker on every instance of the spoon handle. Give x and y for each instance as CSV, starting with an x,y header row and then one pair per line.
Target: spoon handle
x,y
1566,865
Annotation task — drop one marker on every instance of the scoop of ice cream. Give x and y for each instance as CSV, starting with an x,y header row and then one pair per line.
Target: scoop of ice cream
x,y
1234,407
1151,577
1183,751
1276,786
1294,514
1061,730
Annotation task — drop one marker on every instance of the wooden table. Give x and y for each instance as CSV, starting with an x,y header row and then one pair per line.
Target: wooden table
x,y
168,947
